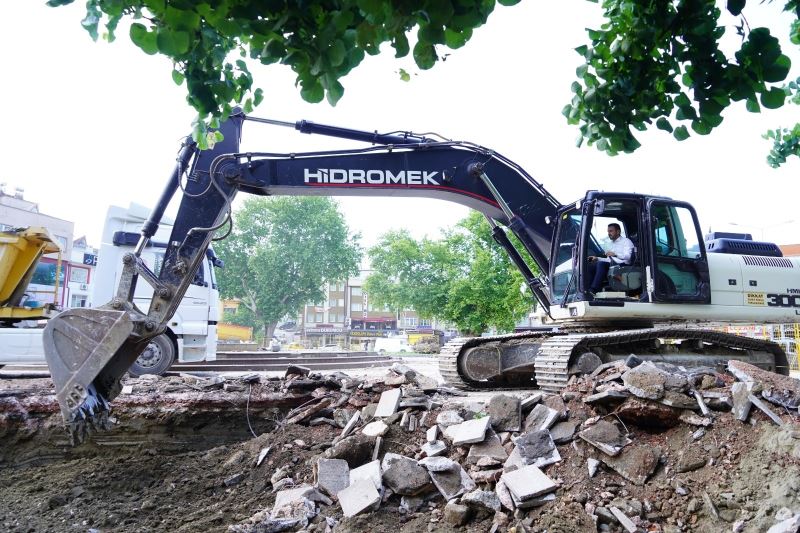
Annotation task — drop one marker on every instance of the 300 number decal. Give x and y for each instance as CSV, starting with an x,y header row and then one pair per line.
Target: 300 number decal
x,y
783,300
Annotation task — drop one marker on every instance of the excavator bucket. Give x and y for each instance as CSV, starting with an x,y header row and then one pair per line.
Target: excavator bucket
x,y
88,351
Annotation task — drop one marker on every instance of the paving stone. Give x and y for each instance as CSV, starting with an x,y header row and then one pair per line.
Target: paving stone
x,y
741,401
490,447
387,405
482,500
470,431
514,461
537,448
530,401
448,418
646,381
332,475
406,477
563,432
528,482
541,417
456,514
606,397
505,412
453,483
636,463
432,449
358,497
536,501
606,437
370,471
432,433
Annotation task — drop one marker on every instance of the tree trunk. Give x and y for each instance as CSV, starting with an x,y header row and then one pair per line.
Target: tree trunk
x,y
269,331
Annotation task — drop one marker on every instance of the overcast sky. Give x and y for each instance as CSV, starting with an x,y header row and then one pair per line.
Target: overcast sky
x,y
89,124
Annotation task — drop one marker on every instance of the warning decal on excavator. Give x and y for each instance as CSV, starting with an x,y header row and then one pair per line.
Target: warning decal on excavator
x,y
756,298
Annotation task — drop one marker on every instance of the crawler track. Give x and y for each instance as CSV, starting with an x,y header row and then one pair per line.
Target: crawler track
x,y
556,352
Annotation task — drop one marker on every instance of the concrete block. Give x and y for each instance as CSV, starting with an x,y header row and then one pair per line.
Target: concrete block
x,y
370,471
490,447
470,431
541,417
332,475
375,429
387,405
358,497
432,433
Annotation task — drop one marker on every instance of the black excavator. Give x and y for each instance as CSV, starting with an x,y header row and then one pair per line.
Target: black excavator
x,y
649,306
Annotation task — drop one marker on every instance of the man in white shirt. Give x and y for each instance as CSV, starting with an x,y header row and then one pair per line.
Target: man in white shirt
x,y
620,253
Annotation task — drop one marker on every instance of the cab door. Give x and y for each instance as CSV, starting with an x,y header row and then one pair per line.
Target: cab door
x,y
678,264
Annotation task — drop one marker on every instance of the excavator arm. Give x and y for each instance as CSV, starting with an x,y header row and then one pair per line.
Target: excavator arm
x,y
89,350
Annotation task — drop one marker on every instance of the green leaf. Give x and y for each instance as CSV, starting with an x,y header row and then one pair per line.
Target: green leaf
x,y
172,42
424,55
735,7
177,77
582,50
146,40
681,133
778,71
663,124
337,53
773,99
312,92
334,91
580,72
258,97
401,45
248,106
700,127
404,76
508,2
56,3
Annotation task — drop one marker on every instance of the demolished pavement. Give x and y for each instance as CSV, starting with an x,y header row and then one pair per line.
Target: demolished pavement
x,y
654,447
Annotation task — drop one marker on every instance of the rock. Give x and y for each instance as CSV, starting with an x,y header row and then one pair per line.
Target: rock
x,y
456,514
556,403
349,427
432,449
504,495
563,432
490,448
387,405
355,449
530,401
438,464
629,507
446,419
593,464
425,383
234,479
342,417
288,501
790,525
693,419
606,397
741,401
296,370
528,482
358,497
370,471
649,414
632,361
432,433
766,410
279,474
482,500
406,477
514,461
775,388
375,429
453,483
606,437
416,403
57,500
541,417
393,379
389,459
536,501
505,413
486,476
368,412
537,448
646,381
697,435
689,460
469,432
332,475
678,400
623,519
636,463
411,504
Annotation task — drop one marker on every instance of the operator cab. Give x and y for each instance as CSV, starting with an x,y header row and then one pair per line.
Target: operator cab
x,y
668,262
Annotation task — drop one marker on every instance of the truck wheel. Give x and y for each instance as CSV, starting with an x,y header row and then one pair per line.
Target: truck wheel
x,y
156,358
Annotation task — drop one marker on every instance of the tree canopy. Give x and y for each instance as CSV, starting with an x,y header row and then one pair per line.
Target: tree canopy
x,y
649,63
464,278
281,253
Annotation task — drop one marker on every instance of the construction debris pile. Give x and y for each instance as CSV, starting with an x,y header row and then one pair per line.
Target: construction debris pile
x,y
632,446
494,462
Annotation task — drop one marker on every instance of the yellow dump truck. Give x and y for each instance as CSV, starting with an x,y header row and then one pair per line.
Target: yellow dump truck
x,y
20,251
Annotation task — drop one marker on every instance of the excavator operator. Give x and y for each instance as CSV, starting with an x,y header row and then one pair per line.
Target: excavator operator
x,y
619,253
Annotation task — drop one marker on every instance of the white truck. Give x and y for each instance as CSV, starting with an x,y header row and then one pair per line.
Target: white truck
x,y
191,334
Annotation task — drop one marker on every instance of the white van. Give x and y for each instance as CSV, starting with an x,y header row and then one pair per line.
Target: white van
x,y
393,345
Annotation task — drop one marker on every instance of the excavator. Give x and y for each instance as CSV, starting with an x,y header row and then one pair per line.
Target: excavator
x,y
651,307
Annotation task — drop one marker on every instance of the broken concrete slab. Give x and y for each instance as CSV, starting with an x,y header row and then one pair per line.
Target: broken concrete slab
x,y
375,429
290,498
490,447
406,477
448,418
541,417
530,401
389,459
433,449
438,464
332,475
358,497
556,403
504,495
486,476
592,464
482,500
623,519
469,432
775,388
370,471
790,525
537,448
425,383
646,381
514,461
432,433
453,483
355,449
388,403
606,437
608,397
700,402
766,410
636,463
505,413
678,400
528,482
563,432
536,501
349,427
741,401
